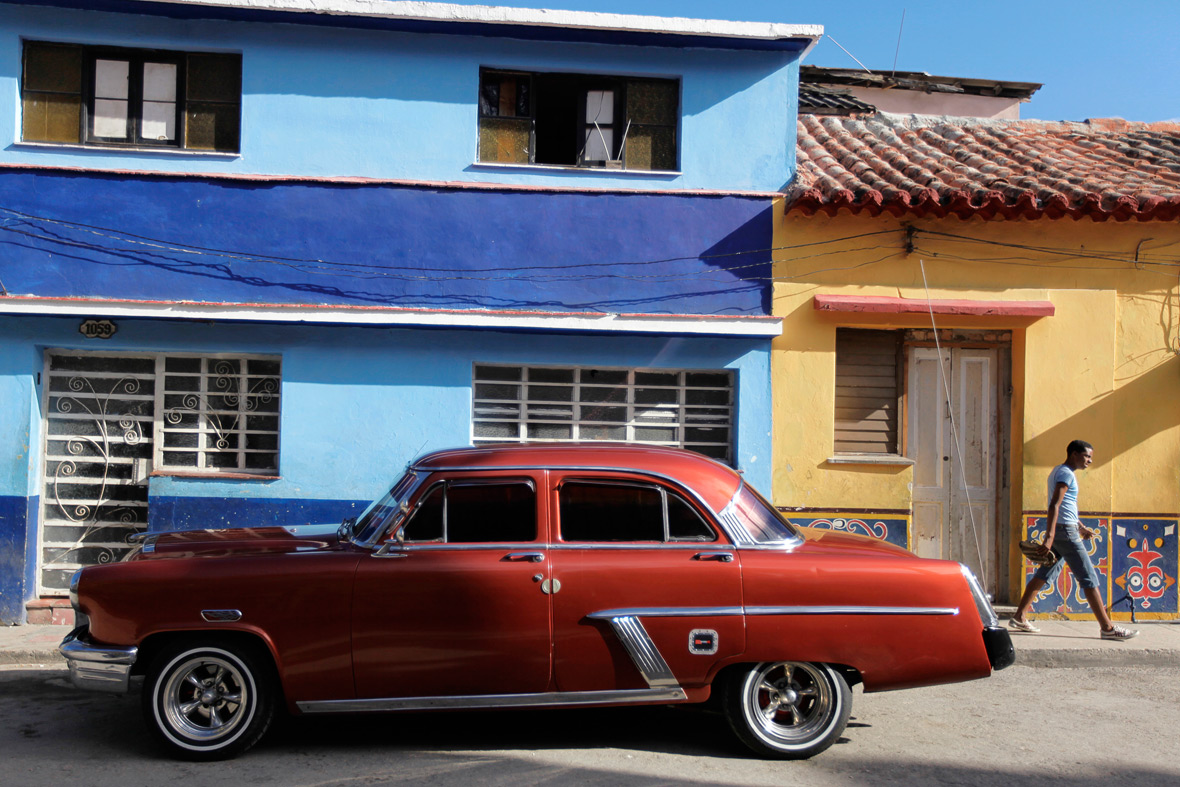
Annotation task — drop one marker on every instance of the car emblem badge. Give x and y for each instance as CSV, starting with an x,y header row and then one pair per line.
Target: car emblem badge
x,y
702,641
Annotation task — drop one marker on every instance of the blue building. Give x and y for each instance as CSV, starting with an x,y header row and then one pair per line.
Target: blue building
x,y
257,255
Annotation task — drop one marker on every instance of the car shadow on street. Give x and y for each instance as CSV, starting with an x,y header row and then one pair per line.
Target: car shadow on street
x,y
670,730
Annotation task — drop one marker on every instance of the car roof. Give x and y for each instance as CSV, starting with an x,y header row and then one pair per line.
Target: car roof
x,y
713,481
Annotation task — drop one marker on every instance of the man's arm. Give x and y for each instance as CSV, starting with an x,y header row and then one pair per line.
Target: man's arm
x,y
1054,512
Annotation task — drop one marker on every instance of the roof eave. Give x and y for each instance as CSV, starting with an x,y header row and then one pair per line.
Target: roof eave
x,y
447,18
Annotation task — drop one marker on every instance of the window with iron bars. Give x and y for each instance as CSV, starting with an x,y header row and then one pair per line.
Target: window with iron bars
x,y
220,415
679,408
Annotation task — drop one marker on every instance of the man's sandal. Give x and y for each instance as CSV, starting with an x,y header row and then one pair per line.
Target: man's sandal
x,y
1021,625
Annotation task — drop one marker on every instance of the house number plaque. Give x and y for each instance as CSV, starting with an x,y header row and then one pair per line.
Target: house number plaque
x,y
97,329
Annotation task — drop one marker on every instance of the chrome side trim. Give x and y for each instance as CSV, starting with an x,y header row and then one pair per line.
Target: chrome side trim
x,y
533,546
221,615
704,612
823,610
663,546
666,612
643,651
97,668
561,698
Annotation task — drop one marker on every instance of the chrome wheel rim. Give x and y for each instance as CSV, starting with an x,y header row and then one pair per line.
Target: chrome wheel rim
x,y
787,703
206,698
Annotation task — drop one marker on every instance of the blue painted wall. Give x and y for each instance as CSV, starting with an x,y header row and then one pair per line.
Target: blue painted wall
x,y
218,240
14,532
357,405
19,466
337,102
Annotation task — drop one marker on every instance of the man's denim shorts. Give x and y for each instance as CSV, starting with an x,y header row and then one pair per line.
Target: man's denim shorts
x,y
1068,546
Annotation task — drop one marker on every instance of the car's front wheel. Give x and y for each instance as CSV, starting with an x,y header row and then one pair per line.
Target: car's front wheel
x,y
788,710
208,701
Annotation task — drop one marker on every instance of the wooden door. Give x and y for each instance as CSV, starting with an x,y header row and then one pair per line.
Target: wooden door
x,y
955,486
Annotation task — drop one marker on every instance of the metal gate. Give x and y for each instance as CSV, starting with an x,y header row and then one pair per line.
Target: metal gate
x,y
99,413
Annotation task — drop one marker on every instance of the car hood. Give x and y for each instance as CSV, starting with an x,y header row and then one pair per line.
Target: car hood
x,y
227,542
821,541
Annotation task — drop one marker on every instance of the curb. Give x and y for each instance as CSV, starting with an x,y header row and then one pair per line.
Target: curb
x,y
29,658
1052,658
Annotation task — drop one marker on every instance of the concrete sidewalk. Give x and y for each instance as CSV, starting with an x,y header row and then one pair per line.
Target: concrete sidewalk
x,y
1060,643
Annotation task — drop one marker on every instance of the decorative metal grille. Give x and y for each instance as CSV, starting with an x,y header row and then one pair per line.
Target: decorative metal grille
x,y
111,419
98,447
686,409
220,414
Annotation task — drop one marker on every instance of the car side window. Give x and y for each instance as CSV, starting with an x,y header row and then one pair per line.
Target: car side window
x,y
603,512
455,512
684,523
426,523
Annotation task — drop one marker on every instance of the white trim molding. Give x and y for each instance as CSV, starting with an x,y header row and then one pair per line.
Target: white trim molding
x,y
411,10
578,322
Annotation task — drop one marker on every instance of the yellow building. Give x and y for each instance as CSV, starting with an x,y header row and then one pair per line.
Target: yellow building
x,y
961,298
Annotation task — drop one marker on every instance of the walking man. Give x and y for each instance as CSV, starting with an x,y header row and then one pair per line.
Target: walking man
x,y
1063,538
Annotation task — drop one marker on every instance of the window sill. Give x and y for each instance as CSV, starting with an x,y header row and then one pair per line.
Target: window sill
x,y
659,173
892,460
127,149
207,475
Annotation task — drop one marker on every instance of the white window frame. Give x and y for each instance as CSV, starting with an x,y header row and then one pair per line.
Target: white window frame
x,y
677,416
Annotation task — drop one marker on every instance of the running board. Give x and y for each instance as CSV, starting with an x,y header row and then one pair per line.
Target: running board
x,y
477,701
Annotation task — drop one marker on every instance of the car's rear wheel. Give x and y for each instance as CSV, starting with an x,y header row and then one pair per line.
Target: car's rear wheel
x,y
788,710
208,701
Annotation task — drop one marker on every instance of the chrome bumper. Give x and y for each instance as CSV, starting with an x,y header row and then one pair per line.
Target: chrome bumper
x,y
97,668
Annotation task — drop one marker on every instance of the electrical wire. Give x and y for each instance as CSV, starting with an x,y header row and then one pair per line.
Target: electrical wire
x,y
950,412
184,248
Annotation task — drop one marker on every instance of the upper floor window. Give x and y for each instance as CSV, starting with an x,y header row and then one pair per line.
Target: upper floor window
x,y
131,97
578,120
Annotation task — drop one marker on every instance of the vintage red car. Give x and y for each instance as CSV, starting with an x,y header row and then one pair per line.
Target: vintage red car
x,y
529,576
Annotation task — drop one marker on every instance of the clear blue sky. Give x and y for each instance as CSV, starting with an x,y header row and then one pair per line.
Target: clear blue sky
x,y
1096,58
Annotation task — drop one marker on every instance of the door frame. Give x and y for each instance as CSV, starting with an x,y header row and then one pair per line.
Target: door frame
x,y
1001,342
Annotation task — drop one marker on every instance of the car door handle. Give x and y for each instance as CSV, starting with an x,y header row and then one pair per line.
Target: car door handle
x,y
530,557
723,557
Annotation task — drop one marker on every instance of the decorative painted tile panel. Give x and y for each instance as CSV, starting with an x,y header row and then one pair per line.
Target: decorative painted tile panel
x,y
1064,597
1144,556
892,528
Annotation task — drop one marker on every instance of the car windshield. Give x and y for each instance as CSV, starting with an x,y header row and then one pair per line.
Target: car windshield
x,y
381,513
757,521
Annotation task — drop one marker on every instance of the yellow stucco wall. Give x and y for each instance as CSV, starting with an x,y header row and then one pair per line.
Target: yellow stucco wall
x,y
1104,368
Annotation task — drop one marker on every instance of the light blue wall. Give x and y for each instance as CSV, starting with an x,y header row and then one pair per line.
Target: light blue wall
x,y
329,102
358,404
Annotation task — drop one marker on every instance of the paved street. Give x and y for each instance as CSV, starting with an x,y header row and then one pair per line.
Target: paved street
x,y
1098,726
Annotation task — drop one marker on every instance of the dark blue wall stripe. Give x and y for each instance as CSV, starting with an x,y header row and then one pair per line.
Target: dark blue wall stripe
x,y
166,514
14,568
235,241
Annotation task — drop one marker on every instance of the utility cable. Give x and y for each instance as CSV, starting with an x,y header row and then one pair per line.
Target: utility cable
x,y
950,411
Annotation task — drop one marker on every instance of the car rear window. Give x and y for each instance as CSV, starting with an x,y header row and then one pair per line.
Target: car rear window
x,y
601,511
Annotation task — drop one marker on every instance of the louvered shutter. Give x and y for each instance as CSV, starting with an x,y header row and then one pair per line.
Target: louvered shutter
x,y
867,391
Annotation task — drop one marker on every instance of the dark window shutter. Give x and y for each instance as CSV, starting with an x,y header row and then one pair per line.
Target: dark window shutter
x,y
867,391
51,93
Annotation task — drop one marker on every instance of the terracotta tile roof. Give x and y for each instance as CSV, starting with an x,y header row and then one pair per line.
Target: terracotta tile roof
x,y
922,166
822,100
